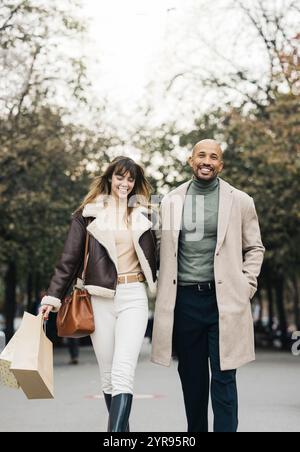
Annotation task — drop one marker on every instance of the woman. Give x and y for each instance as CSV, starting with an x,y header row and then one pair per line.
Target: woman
x,y
122,258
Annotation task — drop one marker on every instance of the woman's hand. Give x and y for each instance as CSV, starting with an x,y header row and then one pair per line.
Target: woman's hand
x,y
45,311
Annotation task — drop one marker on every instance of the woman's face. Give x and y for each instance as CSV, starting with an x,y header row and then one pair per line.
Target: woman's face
x,y
122,186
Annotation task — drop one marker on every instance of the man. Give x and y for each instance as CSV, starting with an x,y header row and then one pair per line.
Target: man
x,y
210,258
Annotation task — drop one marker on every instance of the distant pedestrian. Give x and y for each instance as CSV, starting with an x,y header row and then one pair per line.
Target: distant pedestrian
x,y
73,347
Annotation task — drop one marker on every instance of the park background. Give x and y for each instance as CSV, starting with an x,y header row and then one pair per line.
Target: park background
x,y
83,81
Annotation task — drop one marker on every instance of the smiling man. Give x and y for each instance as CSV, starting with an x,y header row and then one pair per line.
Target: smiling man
x,y
207,160
205,286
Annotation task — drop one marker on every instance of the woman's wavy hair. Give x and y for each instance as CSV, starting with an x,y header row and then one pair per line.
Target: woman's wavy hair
x,y
101,185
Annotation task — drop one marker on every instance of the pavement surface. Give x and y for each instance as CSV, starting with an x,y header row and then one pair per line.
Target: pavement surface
x,y
269,397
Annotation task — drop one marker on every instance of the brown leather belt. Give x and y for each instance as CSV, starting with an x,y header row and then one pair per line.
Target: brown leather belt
x,y
130,278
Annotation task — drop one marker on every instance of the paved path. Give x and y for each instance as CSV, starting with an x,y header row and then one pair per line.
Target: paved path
x,y
268,391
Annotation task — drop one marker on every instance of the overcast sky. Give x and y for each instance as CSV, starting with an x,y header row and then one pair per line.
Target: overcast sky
x,y
137,46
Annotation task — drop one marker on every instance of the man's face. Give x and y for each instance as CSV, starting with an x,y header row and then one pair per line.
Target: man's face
x,y
207,161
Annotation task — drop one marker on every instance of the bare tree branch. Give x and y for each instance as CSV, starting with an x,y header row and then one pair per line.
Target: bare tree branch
x,y
27,84
213,81
173,79
12,14
273,42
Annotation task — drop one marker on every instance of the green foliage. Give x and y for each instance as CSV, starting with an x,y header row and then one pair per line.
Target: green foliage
x,y
42,182
43,156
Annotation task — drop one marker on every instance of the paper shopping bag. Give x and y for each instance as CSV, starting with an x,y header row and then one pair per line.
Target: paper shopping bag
x,y
32,362
6,376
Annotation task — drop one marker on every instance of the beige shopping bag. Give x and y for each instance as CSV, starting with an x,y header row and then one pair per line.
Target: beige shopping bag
x,y
32,361
6,376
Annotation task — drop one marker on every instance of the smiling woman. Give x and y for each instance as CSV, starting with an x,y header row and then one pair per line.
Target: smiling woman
x,y
128,39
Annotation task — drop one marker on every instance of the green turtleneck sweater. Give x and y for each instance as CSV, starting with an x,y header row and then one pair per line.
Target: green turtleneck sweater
x,y
198,238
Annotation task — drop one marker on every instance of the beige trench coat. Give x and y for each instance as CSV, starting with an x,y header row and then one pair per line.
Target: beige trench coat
x,y
238,260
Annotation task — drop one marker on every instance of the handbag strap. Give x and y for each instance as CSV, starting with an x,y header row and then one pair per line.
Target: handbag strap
x,y
85,255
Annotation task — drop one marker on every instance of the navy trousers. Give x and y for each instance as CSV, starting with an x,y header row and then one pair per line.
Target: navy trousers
x,y
196,343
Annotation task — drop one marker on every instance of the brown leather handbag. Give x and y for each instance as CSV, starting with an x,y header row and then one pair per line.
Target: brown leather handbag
x,y
75,319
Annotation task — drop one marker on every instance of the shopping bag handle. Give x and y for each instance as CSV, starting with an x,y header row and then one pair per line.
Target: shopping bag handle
x,y
43,323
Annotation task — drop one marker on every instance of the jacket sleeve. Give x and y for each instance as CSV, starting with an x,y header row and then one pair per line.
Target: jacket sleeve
x,y
253,249
69,264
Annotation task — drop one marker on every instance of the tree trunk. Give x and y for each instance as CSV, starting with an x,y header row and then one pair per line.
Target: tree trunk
x,y
270,305
38,292
279,291
29,293
296,302
37,287
10,282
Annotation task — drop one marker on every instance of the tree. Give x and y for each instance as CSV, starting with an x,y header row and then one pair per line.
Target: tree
x,y
43,155
262,158
262,137
33,63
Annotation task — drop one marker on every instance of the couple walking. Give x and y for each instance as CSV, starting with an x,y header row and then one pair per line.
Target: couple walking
x,y
201,257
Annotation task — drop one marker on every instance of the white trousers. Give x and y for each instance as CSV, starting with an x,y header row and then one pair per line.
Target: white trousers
x,y
120,326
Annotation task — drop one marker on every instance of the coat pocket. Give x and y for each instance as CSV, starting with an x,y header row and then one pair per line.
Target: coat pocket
x,y
247,285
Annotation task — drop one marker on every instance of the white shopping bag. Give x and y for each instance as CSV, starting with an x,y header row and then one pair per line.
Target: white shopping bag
x,y
7,378
32,361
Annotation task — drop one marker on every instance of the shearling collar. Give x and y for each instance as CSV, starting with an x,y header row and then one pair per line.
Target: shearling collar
x,y
98,209
102,229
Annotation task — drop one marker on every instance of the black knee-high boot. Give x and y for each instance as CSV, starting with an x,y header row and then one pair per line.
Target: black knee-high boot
x,y
107,398
119,413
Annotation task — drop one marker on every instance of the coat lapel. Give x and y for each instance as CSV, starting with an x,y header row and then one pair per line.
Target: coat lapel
x,y
140,223
225,203
176,210
102,227
105,237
